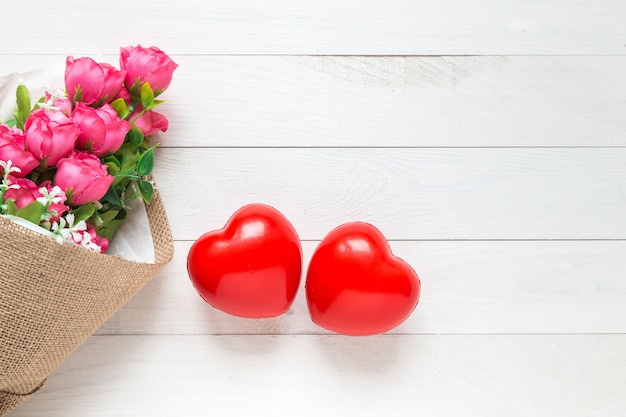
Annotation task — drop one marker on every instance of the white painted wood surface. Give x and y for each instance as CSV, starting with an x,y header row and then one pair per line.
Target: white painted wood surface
x,y
486,139
322,27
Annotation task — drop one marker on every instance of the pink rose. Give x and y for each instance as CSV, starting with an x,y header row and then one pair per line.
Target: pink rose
x,y
13,148
83,178
149,122
101,130
91,82
147,65
50,135
125,95
27,192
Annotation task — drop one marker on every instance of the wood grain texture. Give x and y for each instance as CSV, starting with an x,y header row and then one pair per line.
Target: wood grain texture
x,y
416,193
488,375
321,27
467,288
303,101
484,138
399,101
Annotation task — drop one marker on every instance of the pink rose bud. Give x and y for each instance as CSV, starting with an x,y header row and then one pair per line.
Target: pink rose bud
x,y
90,82
150,122
83,178
50,135
147,65
13,148
102,131
27,192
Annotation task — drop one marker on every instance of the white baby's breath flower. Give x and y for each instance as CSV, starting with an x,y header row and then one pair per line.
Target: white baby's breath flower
x,y
76,231
56,228
5,182
55,196
65,229
8,168
44,200
88,243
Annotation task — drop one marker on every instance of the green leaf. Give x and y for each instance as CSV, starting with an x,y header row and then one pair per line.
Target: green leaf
x,y
135,136
83,212
11,207
135,90
78,94
109,227
112,159
32,212
128,157
146,163
121,108
127,151
11,122
112,168
109,215
112,197
147,96
120,183
146,189
113,164
23,106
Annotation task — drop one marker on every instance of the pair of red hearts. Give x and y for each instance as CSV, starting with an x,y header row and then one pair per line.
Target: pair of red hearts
x,y
252,268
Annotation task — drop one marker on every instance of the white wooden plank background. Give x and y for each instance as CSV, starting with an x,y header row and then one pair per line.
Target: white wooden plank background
x,y
443,101
322,27
486,139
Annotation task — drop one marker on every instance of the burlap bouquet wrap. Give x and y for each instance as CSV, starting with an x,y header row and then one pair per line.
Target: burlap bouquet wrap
x,y
54,296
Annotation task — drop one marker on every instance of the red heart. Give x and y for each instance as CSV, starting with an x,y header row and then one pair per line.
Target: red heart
x,y
251,267
356,286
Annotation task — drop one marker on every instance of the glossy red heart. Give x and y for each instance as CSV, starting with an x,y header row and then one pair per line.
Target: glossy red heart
x,y
356,286
251,267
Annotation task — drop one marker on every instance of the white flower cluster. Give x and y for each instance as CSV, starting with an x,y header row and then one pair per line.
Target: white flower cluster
x,y
62,227
6,184
65,229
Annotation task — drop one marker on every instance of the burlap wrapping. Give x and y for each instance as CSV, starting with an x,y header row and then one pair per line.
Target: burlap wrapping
x,y
54,296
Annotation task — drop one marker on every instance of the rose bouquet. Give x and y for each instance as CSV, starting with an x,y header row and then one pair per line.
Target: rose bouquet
x,y
75,167
71,162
